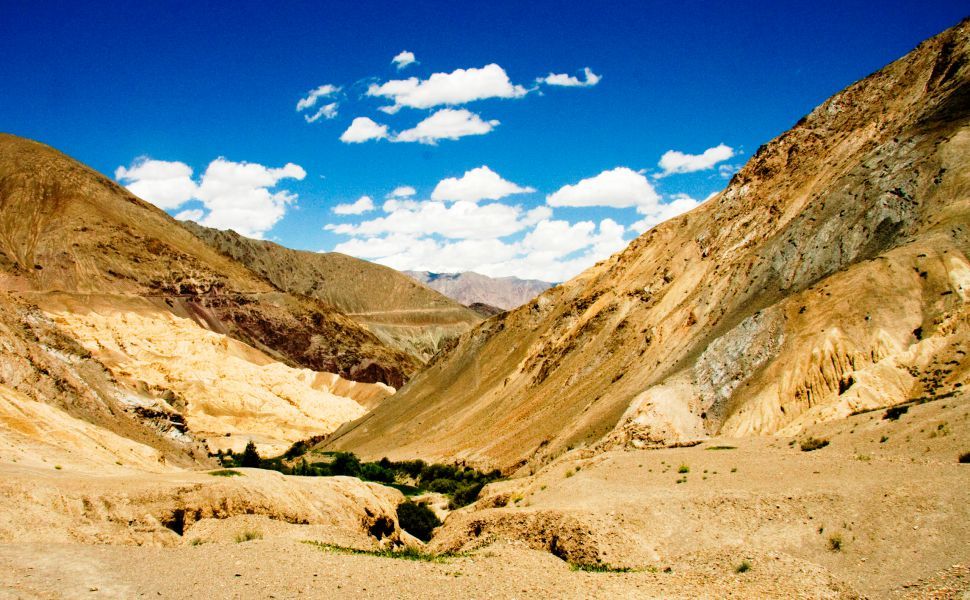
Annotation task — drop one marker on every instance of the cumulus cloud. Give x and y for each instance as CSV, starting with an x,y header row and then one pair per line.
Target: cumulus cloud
x,y
327,111
234,195
477,184
562,79
193,214
458,87
237,195
362,129
461,220
166,184
552,251
679,203
403,59
324,91
617,188
403,191
446,124
674,161
362,205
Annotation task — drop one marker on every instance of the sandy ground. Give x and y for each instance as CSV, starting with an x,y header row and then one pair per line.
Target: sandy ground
x,y
901,506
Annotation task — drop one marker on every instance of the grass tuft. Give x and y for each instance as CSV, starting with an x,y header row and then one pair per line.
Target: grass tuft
x,y
721,448
248,535
683,469
744,567
406,553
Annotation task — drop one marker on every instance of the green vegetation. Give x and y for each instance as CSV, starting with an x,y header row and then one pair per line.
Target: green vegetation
x,y
250,457
893,414
884,439
411,477
248,535
721,448
599,568
809,444
683,469
417,519
225,473
744,567
406,553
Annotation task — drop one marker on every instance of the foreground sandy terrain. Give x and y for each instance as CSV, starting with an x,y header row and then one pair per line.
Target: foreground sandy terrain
x,y
891,491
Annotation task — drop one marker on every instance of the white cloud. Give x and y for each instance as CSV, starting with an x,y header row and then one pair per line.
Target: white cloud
x,y
193,214
477,184
362,129
618,188
166,184
680,203
458,87
403,191
327,111
362,205
461,220
552,251
674,161
446,124
324,91
234,195
403,59
237,195
562,79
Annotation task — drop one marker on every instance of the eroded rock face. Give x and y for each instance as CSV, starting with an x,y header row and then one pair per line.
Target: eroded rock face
x,y
826,278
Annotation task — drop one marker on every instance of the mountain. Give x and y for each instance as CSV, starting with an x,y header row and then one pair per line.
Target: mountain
x,y
830,277
117,318
402,313
471,288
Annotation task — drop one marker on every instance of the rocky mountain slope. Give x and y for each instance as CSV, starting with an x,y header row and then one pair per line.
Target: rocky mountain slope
x,y
127,329
401,312
472,288
831,276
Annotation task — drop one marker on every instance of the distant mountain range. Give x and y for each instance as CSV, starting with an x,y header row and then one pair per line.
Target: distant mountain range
x,y
473,288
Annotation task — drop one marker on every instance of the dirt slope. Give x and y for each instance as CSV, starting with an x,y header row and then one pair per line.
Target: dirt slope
x,y
66,228
401,312
830,276
470,288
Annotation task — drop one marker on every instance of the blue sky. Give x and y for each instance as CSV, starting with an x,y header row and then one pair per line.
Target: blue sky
x,y
167,89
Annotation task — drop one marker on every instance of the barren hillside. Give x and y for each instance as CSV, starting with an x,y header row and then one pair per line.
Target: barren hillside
x,y
831,276
473,288
400,311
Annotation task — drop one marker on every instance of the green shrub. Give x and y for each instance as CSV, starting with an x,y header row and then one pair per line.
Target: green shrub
x,y
345,463
683,469
744,567
417,519
893,413
443,486
811,443
225,473
465,495
376,472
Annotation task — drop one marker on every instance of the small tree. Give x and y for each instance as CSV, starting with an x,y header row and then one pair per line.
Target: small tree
x,y
250,457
